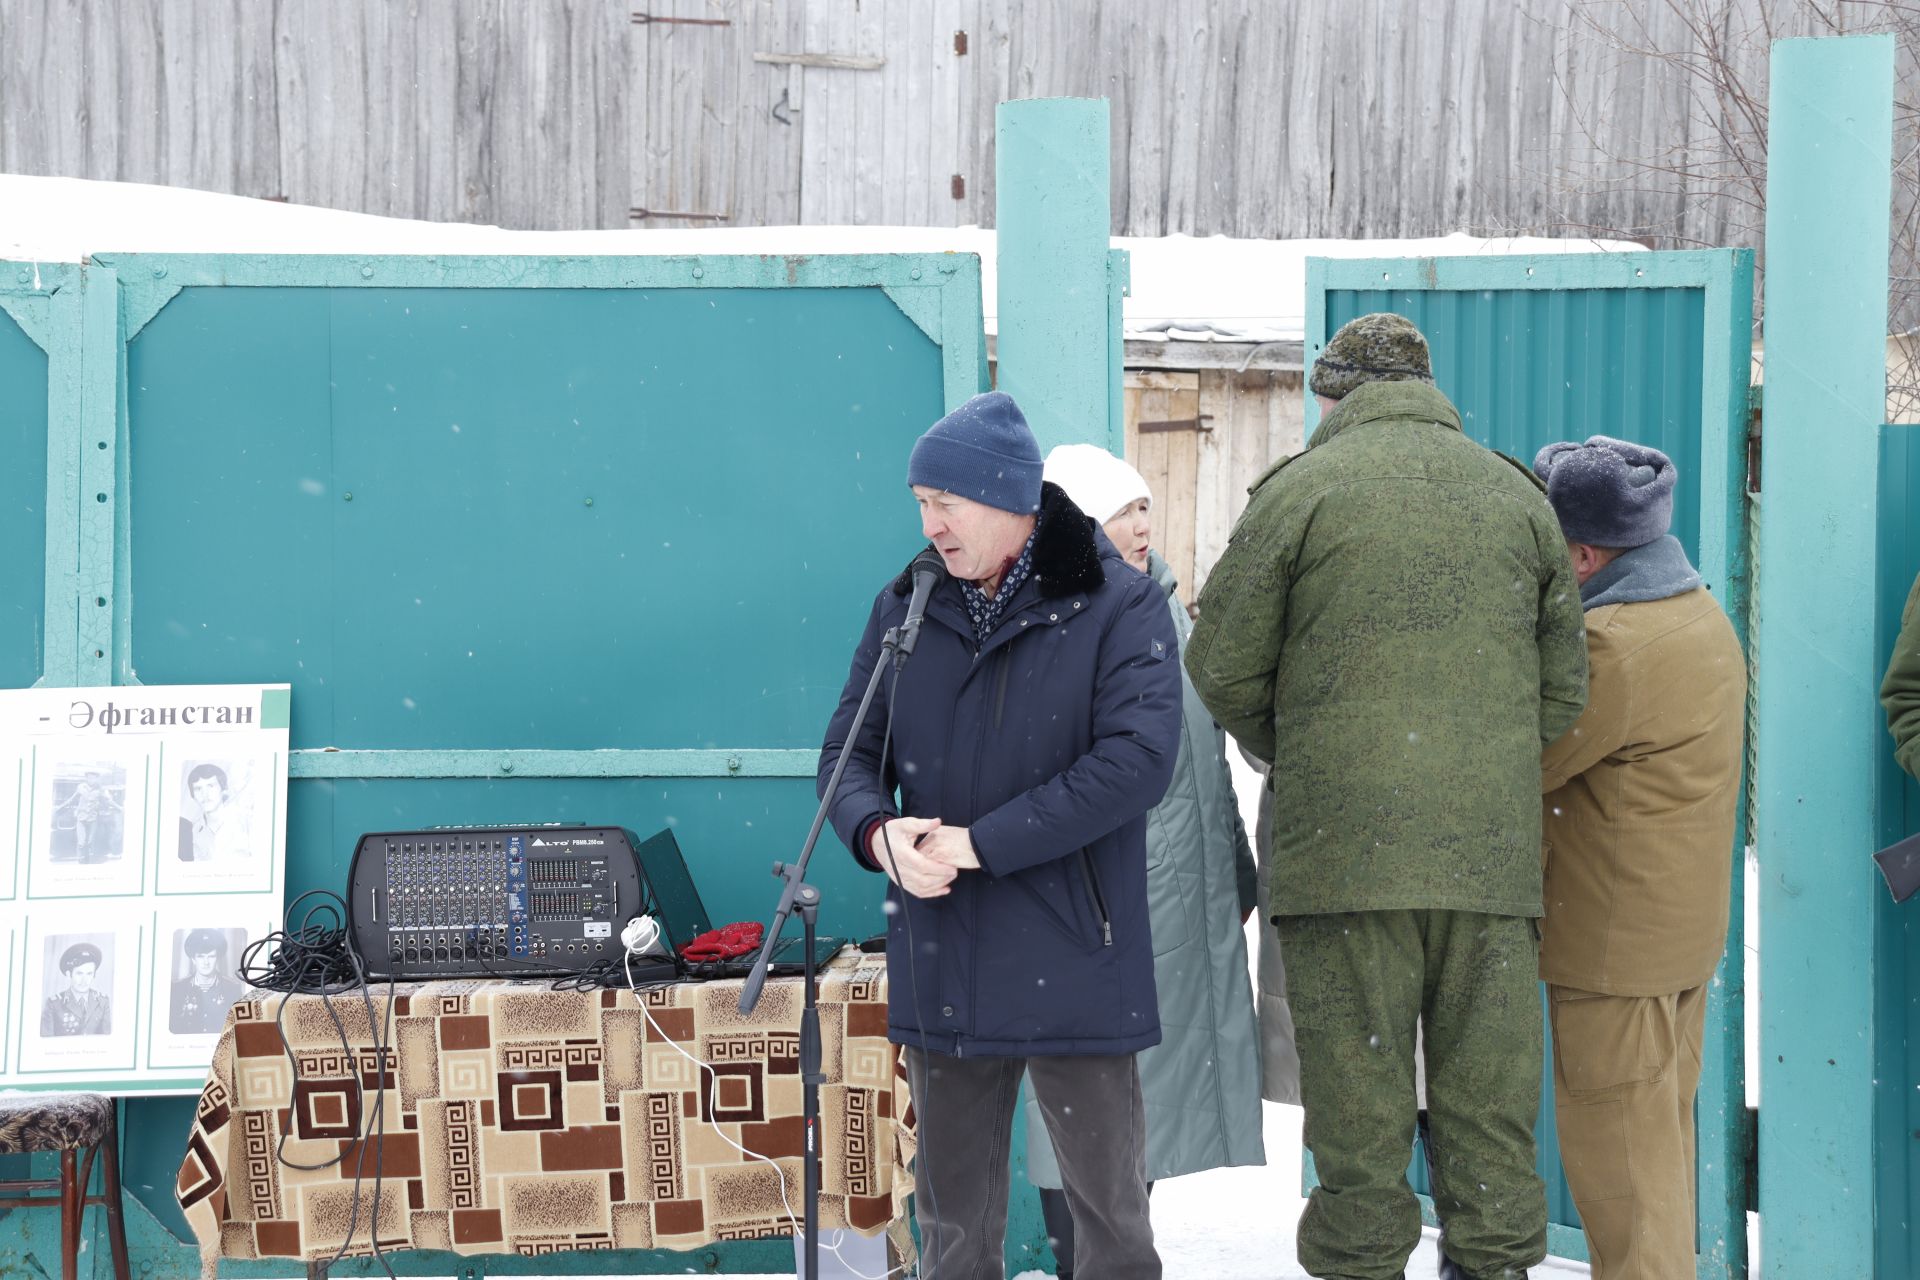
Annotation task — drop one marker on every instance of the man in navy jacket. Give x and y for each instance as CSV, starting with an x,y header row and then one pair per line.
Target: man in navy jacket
x,y
1035,725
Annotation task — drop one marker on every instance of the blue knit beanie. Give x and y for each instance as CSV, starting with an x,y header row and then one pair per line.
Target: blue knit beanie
x,y
1607,492
983,450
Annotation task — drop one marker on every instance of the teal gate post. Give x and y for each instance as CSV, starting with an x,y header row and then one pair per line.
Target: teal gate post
x,y
1652,347
1060,343
1830,156
1060,351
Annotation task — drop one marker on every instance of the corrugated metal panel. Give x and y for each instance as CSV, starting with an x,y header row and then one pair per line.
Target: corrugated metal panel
x,y
1529,367
23,504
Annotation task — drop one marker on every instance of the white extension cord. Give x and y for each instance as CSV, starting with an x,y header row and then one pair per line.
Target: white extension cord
x,y
641,937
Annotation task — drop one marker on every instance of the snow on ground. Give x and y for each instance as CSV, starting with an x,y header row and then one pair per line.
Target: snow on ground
x,y
1207,288
1238,1224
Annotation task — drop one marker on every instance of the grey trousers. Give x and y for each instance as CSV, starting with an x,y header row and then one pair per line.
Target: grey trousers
x,y
1058,1215
1098,1124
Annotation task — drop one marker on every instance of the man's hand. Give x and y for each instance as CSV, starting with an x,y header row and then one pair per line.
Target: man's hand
x,y
952,847
909,866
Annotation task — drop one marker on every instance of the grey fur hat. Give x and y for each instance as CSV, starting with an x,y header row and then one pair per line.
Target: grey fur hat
x,y
1607,492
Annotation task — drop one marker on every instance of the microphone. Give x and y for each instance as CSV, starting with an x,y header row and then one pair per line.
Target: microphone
x,y
927,570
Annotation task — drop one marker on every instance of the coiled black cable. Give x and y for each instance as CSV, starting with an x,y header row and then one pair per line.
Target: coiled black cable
x,y
316,957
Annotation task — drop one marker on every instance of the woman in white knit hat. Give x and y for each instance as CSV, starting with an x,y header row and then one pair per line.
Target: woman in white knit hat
x,y
1202,1082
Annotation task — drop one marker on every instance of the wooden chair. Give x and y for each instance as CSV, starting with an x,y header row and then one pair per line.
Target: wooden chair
x,y
70,1123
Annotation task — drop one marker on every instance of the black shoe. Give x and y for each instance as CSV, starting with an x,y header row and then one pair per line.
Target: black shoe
x,y
1449,1269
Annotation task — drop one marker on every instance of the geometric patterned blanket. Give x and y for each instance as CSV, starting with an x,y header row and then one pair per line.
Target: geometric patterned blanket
x,y
524,1120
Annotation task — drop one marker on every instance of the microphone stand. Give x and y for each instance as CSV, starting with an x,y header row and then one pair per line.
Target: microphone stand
x,y
799,895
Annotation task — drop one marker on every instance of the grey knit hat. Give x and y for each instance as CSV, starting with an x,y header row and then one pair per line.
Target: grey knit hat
x,y
1381,347
1607,492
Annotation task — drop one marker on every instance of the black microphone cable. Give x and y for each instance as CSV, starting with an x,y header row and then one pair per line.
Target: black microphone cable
x,y
317,957
913,980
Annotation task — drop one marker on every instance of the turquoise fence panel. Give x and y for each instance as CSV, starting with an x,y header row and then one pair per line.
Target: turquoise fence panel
x,y
23,500
39,359
540,518
532,539
1897,1051
231,517
1650,347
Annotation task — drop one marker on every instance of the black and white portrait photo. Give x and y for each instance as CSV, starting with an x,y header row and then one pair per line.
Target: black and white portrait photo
x,y
204,985
88,823
76,978
216,822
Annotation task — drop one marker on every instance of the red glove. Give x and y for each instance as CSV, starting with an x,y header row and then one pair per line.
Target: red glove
x,y
725,943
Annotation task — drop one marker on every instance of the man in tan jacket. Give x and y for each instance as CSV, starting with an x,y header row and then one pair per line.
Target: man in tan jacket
x,y
1640,798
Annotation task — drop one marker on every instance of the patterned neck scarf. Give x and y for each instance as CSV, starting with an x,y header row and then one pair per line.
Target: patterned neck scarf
x,y
986,613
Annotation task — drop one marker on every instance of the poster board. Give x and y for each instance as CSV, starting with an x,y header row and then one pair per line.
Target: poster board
x,y
142,850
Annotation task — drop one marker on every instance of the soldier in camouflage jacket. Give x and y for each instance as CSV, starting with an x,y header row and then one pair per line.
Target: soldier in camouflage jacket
x,y
1395,625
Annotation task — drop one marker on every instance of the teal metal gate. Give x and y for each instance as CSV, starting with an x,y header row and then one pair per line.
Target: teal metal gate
x,y
532,539
1897,1109
1653,347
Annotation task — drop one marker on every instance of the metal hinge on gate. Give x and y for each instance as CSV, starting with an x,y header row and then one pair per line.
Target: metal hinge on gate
x,y
638,212
1203,422
1753,439
654,20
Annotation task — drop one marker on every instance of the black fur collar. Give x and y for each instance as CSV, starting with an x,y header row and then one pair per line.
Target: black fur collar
x,y
1066,558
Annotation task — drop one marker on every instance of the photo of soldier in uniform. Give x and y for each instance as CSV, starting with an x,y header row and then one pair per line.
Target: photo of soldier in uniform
x,y
89,813
78,975
216,811
204,986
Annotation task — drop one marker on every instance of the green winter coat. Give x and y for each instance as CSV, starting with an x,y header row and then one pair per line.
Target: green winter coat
x,y
1201,1083
1900,694
1396,625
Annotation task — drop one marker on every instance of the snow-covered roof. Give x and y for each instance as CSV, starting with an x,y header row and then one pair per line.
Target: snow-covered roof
x,y
1184,288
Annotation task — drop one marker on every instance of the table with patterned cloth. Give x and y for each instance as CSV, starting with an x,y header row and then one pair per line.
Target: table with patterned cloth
x,y
519,1119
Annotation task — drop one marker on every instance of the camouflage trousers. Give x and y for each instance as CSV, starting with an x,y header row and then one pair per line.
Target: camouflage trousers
x,y
1359,984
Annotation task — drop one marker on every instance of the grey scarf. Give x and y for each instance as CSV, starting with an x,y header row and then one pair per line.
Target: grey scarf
x,y
1653,572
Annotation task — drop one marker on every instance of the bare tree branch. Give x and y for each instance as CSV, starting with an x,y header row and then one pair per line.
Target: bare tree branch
x,y
1705,158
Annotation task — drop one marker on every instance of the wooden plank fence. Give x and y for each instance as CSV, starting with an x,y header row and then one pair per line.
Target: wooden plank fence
x,y
1344,118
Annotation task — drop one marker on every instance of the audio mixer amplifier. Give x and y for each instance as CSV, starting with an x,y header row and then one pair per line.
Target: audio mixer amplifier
x,y
501,902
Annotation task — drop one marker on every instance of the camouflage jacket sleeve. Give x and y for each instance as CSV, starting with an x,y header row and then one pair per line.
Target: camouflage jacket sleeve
x,y
1234,652
1900,694
1562,637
